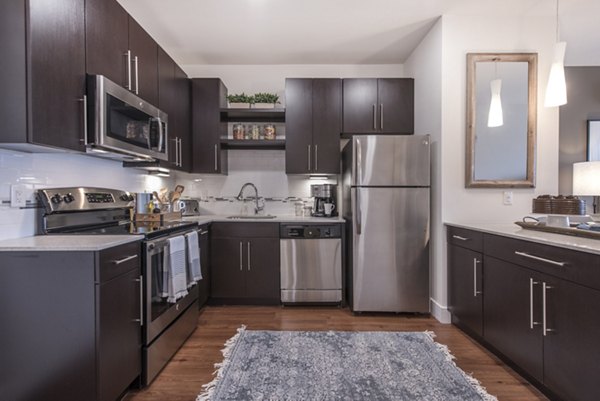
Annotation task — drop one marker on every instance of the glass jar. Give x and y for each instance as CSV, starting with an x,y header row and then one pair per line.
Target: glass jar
x,y
247,133
299,208
255,132
269,130
238,131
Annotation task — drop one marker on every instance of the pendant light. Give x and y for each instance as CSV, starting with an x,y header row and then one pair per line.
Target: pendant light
x,y
495,118
556,91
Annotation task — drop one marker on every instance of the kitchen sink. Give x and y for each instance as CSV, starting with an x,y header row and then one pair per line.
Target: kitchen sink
x,y
251,217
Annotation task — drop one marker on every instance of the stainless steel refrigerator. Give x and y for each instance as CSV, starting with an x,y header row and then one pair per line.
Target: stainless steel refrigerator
x,y
386,195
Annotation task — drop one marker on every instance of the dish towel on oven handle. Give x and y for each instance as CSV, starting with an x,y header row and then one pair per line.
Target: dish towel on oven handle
x,y
177,282
193,257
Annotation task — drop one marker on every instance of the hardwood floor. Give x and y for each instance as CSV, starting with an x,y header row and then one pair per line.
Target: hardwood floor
x,y
193,365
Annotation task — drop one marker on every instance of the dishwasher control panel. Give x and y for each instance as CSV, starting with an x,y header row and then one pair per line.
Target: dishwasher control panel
x,y
308,231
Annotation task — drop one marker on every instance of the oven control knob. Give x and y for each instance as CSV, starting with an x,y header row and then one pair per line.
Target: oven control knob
x,y
56,199
126,198
130,199
68,198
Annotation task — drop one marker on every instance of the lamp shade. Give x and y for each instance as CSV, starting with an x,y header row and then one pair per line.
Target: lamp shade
x,y
556,91
495,116
586,178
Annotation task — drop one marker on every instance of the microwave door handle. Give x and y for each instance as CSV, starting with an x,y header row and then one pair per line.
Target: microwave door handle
x,y
162,135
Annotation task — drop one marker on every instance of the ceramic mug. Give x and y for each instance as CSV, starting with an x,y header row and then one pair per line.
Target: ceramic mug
x,y
329,208
557,221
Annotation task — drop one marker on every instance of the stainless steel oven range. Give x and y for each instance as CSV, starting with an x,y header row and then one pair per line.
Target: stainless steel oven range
x,y
97,211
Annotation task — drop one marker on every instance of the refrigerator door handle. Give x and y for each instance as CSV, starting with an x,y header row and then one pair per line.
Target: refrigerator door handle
x,y
358,213
358,162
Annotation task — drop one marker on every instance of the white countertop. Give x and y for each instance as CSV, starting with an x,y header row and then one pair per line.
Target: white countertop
x,y
278,219
588,245
67,242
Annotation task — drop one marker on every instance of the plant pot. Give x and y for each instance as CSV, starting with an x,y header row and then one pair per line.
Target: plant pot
x,y
239,105
263,106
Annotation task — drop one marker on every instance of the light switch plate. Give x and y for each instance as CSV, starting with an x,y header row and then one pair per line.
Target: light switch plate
x,y
507,198
18,195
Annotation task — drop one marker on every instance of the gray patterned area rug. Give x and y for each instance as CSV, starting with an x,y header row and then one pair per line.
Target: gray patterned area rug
x,y
337,365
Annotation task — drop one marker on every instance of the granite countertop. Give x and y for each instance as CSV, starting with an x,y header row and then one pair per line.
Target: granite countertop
x,y
278,219
588,245
67,242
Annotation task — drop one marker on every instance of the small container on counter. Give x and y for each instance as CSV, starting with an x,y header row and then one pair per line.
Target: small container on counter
x,y
299,208
269,130
307,211
238,131
255,132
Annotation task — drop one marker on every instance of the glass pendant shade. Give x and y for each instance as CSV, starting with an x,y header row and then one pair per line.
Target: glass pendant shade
x,y
556,91
495,118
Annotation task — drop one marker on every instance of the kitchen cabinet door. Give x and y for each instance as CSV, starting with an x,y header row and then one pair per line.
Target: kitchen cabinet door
x,y
119,334
396,105
144,51
183,118
298,125
262,270
571,351
227,268
209,95
107,40
360,106
57,73
465,282
327,125
512,317
166,102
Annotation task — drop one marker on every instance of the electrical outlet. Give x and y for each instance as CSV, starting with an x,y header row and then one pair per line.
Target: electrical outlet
x,y
18,195
507,198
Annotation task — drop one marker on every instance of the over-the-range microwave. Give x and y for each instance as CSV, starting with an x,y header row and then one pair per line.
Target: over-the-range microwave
x,y
123,123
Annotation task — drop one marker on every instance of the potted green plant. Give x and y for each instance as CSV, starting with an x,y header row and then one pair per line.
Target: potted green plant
x,y
240,101
265,100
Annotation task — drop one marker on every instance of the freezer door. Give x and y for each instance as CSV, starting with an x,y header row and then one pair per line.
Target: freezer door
x,y
390,160
390,249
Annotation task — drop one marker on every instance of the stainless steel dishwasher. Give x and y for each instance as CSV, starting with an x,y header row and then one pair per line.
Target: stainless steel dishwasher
x,y
311,263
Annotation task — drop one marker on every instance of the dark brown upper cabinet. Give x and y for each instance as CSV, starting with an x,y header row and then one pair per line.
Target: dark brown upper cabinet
x,y
120,49
209,96
313,125
43,74
174,94
378,106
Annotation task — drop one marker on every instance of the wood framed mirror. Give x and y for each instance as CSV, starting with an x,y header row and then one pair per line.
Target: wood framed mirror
x,y
501,155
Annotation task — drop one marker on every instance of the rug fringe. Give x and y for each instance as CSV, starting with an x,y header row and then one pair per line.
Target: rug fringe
x,y
209,388
469,378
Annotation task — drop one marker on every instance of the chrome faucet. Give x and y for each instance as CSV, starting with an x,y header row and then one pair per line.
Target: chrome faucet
x,y
240,196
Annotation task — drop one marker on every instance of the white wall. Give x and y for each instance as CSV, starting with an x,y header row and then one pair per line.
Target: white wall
x,y
59,170
425,66
271,78
461,35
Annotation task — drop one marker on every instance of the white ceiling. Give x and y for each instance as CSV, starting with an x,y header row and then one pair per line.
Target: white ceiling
x,y
335,31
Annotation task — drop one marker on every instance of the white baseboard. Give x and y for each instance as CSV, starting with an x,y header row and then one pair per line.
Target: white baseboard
x,y
441,313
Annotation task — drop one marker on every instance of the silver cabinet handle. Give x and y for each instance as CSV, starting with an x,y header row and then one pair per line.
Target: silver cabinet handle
x,y
475,292
249,256
127,259
381,116
128,56
552,262
85,120
545,329
180,152
316,157
141,319
374,117
203,232
308,147
216,161
137,80
531,322
176,152
241,250
458,237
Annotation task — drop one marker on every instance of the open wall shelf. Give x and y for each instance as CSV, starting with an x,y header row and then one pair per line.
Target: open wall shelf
x,y
263,144
253,115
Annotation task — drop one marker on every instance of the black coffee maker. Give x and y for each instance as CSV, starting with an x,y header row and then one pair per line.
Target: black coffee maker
x,y
325,200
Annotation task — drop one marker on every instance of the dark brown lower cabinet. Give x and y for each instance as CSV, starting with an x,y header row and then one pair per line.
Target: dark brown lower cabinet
x,y
465,281
540,309
245,267
509,325
70,324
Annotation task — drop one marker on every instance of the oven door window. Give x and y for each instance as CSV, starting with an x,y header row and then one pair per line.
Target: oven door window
x,y
128,124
